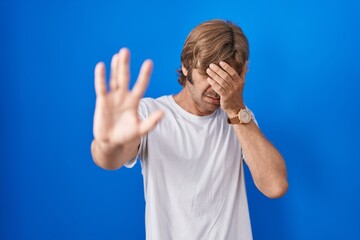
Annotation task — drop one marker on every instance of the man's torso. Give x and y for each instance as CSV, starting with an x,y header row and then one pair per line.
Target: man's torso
x,y
193,176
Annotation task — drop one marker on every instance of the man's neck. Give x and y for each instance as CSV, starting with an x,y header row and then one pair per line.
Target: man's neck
x,y
186,102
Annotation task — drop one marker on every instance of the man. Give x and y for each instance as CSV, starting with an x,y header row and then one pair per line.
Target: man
x,y
191,144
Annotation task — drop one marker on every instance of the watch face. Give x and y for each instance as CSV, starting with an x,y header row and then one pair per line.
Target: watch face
x,y
245,116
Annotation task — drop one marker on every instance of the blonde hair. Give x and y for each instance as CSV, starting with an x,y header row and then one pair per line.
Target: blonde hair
x,y
211,42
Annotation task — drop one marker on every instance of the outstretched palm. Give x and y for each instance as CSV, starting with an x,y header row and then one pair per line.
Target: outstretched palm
x,y
115,119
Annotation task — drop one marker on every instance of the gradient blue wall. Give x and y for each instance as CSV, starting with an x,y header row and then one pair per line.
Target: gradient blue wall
x,y
303,86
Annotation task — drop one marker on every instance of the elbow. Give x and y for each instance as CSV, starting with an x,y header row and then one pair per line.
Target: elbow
x,y
102,162
277,190
107,166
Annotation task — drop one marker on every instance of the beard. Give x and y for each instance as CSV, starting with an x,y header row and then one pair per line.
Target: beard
x,y
211,100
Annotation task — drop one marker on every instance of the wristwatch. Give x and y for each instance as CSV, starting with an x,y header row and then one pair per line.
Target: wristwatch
x,y
244,116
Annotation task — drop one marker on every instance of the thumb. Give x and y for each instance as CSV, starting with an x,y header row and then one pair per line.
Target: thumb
x,y
149,123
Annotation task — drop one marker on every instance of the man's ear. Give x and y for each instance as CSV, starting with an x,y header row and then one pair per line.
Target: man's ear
x,y
245,69
184,70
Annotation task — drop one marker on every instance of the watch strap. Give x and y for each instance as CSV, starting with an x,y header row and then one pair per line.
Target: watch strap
x,y
234,120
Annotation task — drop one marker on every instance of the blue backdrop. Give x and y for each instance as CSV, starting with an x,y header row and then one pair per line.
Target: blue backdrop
x,y
303,86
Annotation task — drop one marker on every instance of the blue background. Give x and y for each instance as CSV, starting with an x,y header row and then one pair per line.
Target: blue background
x,y
302,85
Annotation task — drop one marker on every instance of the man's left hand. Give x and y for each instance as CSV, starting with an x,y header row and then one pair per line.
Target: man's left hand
x,y
226,82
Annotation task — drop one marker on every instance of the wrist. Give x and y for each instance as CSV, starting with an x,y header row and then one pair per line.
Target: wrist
x,y
244,116
231,113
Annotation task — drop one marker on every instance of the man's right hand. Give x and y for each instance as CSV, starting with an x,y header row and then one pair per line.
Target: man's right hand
x,y
116,120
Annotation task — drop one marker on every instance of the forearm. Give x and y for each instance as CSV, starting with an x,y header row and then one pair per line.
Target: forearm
x,y
113,157
265,163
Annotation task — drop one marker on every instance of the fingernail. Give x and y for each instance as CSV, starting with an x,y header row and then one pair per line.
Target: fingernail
x,y
123,50
115,57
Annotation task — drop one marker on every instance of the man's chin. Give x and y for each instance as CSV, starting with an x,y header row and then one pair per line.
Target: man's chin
x,y
212,107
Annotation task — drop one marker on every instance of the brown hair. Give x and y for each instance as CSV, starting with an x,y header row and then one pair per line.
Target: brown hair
x,y
211,42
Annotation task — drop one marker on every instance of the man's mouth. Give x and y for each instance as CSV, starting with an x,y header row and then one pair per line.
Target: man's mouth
x,y
214,99
213,96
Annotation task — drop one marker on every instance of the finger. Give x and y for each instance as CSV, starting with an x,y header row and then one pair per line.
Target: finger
x,y
143,79
222,73
231,71
220,81
113,73
149,123
123,69
216,87
100,81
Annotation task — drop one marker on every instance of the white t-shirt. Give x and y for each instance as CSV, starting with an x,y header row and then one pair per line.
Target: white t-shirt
x,y
193,176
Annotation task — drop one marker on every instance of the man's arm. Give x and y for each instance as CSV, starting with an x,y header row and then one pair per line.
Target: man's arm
x,y
111,157
266,164
117,127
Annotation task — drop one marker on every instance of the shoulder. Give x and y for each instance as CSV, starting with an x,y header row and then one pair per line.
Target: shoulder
x,y
148,105
155,102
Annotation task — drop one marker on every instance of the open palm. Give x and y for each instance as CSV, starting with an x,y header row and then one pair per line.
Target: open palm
x,y
116,119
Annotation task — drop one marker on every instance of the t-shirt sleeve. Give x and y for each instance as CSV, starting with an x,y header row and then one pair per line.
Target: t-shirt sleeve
x,y
131,163
142,114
